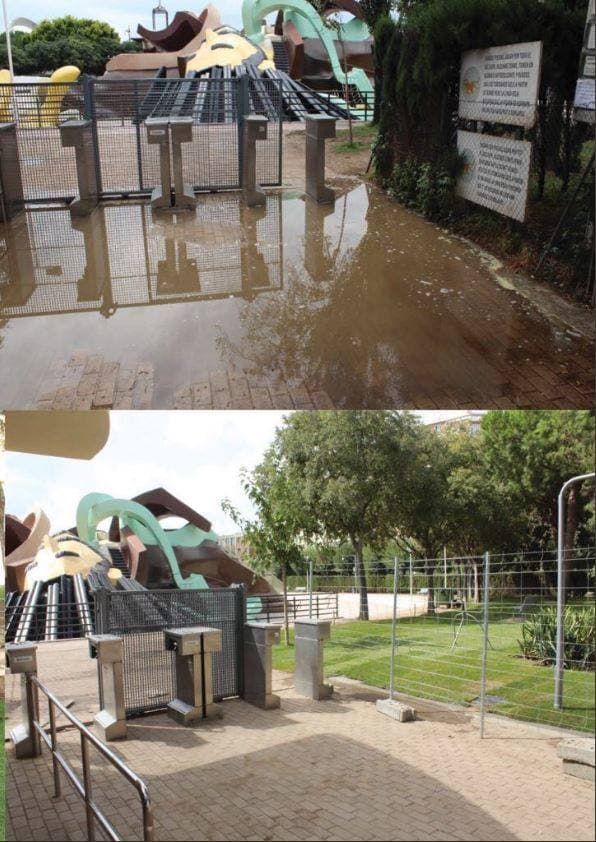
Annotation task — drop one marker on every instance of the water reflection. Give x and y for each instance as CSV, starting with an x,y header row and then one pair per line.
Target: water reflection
x,y
361,299
126,256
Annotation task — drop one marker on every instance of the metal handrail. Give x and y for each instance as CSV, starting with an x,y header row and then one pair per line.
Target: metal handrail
x,y
84,787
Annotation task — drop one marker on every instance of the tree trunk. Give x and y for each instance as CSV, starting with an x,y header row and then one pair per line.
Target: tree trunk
x,y
284,579
429,569
361,577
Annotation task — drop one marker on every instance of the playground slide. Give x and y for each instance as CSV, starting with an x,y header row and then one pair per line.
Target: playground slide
x,y
306,18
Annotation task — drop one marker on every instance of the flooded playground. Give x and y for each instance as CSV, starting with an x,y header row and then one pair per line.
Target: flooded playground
x,y
356,304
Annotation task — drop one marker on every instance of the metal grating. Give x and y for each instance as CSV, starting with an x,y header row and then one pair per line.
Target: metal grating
x,y
140,617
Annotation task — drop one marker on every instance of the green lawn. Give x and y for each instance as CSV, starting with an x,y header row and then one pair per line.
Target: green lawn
x,y
427,667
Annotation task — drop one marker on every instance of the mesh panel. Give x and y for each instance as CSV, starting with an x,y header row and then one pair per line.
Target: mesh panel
x,y
140,617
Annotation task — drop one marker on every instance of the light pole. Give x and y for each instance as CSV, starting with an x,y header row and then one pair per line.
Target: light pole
x,y
8,44
560,659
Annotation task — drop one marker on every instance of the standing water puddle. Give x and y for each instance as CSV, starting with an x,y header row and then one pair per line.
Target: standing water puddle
x,y
360,304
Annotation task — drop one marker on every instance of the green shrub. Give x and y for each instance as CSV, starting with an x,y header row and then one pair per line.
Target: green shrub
x,y
539,637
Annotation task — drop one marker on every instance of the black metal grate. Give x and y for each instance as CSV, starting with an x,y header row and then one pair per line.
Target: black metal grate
x,y
140,617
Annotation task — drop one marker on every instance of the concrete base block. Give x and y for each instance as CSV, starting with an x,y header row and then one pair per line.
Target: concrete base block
x,y
396,710
579,770
579,757
270,702
185,714
24,746
319,693
109,727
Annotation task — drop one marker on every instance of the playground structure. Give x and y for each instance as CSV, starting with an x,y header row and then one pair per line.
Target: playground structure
x,y
301,51
53,581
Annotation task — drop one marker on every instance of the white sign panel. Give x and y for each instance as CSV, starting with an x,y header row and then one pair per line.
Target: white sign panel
x,y
496,172
500,85
585,107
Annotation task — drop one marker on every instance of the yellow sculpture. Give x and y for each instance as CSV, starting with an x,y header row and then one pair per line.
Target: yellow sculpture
x,y
5,97
64,555
49,104
224,47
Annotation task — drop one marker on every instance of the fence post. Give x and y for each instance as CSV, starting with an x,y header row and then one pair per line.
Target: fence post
x,y
109,651
309,636
310,571
194,648
318,129
11,183
22,659
258,641
393,629
391,707
158,133
91,114
485,595
243,100
181,132
255,128
79,135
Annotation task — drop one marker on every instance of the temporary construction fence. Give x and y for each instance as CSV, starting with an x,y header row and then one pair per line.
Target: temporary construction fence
x,y
478,631
126,164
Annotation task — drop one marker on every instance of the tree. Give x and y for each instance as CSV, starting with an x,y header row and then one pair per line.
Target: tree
x,y
274,534
383,33
347,474
531,453
86,43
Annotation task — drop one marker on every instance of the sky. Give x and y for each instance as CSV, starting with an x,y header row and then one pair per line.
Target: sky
x,y
197,456
122,15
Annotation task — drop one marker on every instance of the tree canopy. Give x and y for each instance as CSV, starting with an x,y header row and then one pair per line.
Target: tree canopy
x,y
86,43
366,481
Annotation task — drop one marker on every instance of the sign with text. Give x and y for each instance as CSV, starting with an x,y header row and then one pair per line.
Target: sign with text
x,y
584,104
500,84
496,172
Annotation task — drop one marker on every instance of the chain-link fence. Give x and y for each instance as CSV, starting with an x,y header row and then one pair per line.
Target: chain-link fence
x,y
477,631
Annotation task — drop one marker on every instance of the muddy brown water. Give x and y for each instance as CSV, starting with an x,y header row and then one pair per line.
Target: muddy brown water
x,y
362,300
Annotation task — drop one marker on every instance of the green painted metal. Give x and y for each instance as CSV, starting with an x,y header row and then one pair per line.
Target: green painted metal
x,y
351,30
95,507
253,12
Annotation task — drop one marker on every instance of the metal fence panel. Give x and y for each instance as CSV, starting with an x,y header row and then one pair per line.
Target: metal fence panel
x,y
140,617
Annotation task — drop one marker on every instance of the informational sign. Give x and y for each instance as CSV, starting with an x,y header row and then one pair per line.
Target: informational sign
x,y
584,105
496,172
500,84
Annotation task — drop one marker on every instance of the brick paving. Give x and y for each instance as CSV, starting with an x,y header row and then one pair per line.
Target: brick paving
x,y
88,381
333,770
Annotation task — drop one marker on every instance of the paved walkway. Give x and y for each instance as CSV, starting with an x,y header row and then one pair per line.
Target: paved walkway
x,y
334,770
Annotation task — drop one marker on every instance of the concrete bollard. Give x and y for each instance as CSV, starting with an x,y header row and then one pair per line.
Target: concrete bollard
x,y
158,133
181,132
79,135
21,659
258,641
193,648
318,129
255,128
109,651
11,183
309,637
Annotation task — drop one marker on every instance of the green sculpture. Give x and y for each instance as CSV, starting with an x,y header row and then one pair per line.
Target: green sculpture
x,y
95,507
254,11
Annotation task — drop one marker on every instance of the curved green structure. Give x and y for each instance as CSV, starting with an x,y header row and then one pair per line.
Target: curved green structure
x,y
95,507
253,12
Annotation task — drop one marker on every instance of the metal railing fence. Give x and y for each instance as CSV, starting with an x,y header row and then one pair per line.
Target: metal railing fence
x,y
126,165
465,636
83,785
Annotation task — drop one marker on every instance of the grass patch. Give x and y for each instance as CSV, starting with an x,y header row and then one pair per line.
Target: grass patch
x,y
355,146
427,667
